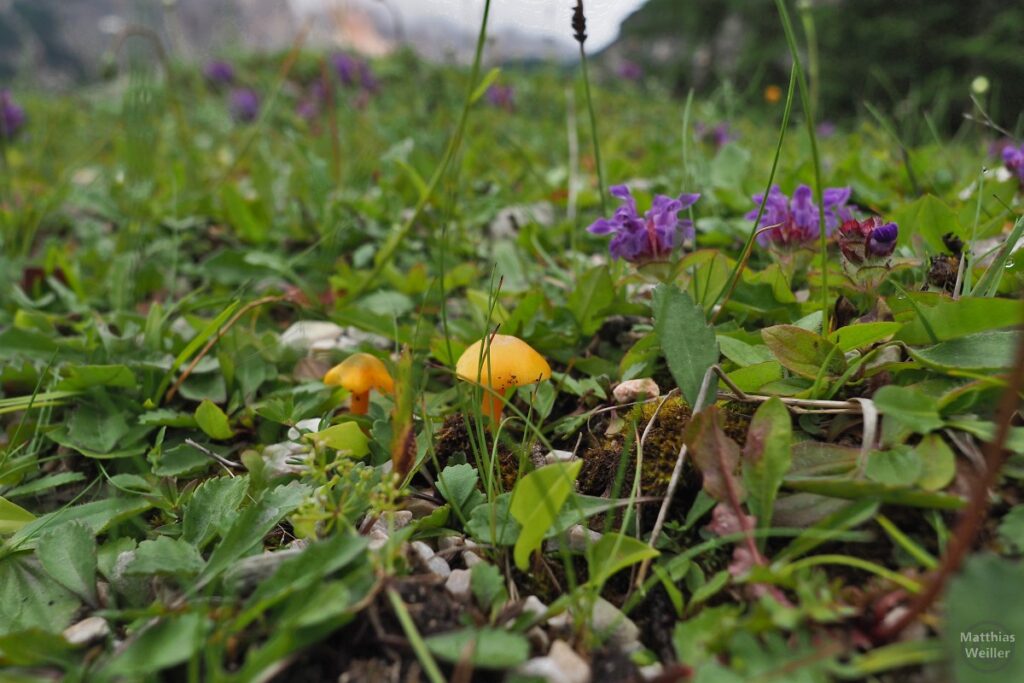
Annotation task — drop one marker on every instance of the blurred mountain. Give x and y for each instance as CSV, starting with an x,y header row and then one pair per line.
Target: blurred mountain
x,y
59,42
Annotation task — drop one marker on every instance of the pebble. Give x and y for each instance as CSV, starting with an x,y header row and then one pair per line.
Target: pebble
x,y
578,538
559,456
423,556
87,631
534,607
302,426
458,585
471,559
607,621
561,665
450,542
420,508
635,389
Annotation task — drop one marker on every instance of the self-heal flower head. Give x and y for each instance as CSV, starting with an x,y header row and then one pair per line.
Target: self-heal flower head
x,y
795,222
868,240
630,71
353,72
219,72
12,117
245,105
1013,157
650,237
501,96
721,134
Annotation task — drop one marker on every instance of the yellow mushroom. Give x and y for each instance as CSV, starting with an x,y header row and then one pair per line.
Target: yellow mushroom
x,y
506,362
360,373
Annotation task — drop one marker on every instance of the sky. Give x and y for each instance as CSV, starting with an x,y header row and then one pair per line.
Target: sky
x,y
547,17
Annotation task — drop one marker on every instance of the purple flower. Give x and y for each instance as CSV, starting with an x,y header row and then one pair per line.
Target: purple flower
x,y
12,117
630,71
219,72
1013,157
721,134
352,71
502,96
650,237
245,105
867,240
826,129
796,222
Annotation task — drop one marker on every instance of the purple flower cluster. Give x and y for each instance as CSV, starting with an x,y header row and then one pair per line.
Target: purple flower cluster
x,y
501,96
12,117
244,104
219,72
1013,157
867,240
630,71
795,222
650,237
353,72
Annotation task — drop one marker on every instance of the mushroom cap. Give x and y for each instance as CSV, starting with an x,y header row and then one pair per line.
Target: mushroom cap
x,y
359,373
512,363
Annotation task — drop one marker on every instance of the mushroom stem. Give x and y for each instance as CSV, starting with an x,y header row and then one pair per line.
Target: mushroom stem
x,y
360,403
493,405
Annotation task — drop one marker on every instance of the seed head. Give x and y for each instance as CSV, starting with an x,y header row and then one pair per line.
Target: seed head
x,y
579,23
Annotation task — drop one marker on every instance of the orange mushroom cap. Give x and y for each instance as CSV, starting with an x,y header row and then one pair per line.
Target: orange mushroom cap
x,y
512,363
359,373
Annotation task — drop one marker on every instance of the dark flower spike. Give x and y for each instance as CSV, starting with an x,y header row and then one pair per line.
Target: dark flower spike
x,y
245,105
219,72
579,23
650,237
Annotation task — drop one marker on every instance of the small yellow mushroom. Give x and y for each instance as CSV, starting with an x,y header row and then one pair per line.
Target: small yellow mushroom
x,y
360,373
505,362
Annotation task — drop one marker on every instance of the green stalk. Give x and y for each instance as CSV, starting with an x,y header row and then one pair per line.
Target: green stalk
x,y
805,98
388,251
593,130
416,641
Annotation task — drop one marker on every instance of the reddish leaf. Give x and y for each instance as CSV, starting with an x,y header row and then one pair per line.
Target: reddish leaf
x,y
716,455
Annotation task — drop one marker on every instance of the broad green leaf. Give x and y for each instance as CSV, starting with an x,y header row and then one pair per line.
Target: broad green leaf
x,y
456,483
950,318
488,585
30,598
856,490
1011,529
767,456
33,647
13,517
716,455
536,501
166,643
742,353
493,524
911,408
68,554
804,352
81,377
986,351
938,463
613,553
486,648
96,428
753,377
899,466
689,344
988,285
98,516
346,437
927,219
212,507
166,556
859,335
212,420
251,526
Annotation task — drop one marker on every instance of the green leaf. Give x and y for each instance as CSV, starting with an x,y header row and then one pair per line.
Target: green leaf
x,y
986,351
613,553
859,335
487,648
594,292
909,407
166,556
457,483
900,466
30,598
857,490
347,438
98,516
33,647
251,526
742,353
689,344
928,219
95,428
168,642
983,607
1011,529
505,528
804,352
536,501
715,454
13,517
68,554
988,285
81,377
950,318
488,585
211,509
212,420
767,457
485,83
938,463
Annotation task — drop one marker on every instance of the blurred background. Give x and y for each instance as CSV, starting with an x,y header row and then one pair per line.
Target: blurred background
x,y
904,54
